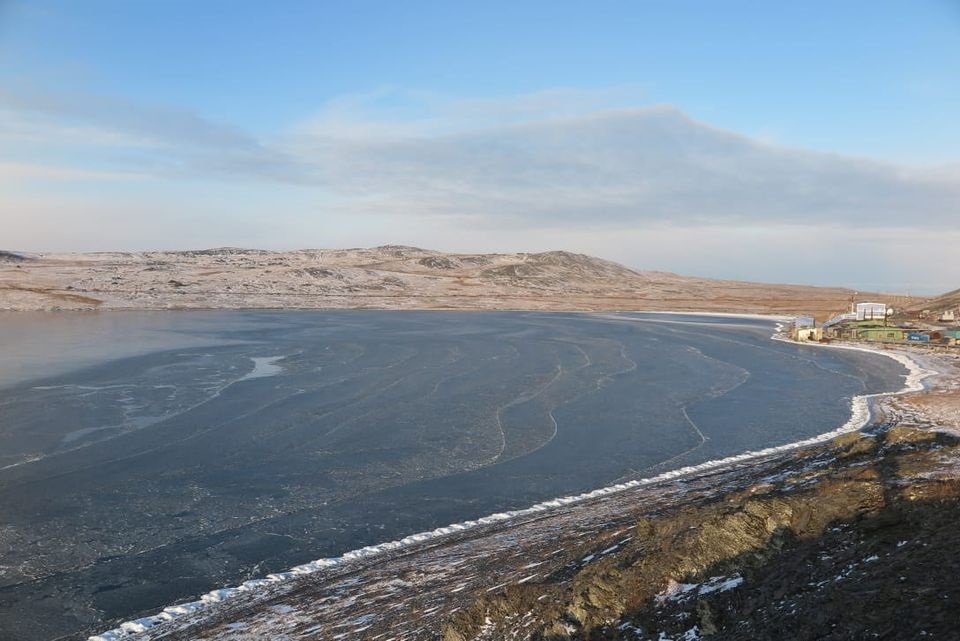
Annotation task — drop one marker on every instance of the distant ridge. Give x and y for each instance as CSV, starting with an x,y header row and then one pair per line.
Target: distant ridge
x,y
384,277
950,300
12,257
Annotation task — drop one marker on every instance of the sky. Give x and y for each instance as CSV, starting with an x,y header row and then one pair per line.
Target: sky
x,y
814,142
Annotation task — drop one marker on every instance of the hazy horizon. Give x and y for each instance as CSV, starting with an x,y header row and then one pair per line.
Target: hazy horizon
x,y
810,144
917,291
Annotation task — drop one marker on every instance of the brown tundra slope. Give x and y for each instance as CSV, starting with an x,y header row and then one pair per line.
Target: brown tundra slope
x,y
944,302
389,277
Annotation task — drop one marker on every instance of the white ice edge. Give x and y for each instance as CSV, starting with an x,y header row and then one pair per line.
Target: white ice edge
x,y
859,418
263,366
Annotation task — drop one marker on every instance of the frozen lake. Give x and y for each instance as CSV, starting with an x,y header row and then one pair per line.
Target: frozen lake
x,y
146,458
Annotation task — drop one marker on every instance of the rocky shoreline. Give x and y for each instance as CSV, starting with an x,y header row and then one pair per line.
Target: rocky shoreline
x,y
851,539
855,540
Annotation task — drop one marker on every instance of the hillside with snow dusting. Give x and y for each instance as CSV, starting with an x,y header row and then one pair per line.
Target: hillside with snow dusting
x,y
389,277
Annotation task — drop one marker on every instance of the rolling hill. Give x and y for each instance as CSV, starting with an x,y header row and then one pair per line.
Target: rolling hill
x,y
387,277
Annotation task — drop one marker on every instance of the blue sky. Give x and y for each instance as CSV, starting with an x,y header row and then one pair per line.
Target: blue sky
x,y
491,126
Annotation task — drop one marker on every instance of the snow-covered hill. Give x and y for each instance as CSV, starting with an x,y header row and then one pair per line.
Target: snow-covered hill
x,y
388,277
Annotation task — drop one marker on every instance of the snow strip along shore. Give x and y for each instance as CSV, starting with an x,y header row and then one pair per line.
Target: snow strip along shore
x,y
860,415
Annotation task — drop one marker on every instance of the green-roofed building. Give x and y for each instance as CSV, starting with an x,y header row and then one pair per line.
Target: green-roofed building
x,y
885,334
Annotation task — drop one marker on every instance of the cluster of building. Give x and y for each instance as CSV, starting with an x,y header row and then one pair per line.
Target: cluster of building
x,y
875,322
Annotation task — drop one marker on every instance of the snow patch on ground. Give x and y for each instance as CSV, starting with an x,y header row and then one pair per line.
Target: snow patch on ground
x,y
681,592
693,634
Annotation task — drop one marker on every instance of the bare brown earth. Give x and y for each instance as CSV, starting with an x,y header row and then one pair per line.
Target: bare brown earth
x,y
389,277
950,300
855,539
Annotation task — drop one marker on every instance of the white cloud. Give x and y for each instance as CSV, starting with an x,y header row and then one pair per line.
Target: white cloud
x,y
561,168
622,166
14,172
542,159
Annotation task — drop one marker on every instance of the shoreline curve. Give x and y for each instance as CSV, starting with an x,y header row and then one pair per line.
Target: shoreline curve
x,y
860,415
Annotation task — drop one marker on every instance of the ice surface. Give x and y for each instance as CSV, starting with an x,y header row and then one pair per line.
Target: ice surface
x,y
860,416
263,366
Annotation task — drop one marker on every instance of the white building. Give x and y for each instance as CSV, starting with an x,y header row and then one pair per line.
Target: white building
x,y
871,311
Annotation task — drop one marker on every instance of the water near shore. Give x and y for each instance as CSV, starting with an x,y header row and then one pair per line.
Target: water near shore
x,y
205,448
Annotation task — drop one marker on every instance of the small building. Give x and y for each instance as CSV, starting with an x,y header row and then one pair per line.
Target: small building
x,y
879,333
802,322
950,337
871,311
948,316
808,334
835,326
